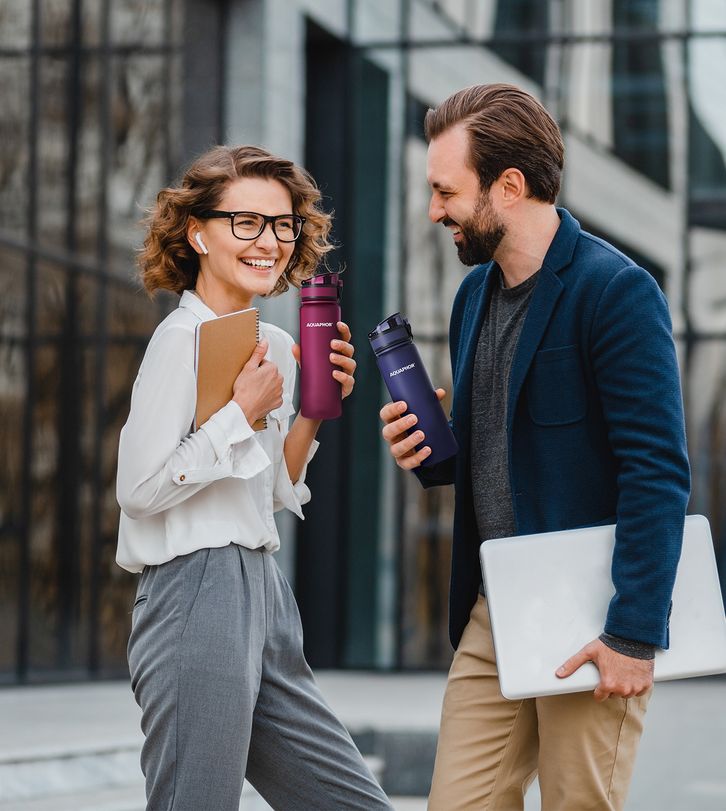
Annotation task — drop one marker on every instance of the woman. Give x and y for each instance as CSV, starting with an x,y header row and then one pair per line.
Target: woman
x,y
215,652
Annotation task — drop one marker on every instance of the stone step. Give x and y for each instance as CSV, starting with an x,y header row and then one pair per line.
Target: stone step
x,y
117,798
131,798
92,781
70,772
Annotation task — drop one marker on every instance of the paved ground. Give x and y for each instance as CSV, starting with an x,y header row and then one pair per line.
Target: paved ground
x,y
681,765
682,759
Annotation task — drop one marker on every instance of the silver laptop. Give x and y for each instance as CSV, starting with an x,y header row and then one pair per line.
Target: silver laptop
x,y
548,595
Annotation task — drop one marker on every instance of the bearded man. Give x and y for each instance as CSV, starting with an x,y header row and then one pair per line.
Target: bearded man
x,y
568,412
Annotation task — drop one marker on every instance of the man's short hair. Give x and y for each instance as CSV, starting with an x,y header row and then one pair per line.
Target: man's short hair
x,y
508,128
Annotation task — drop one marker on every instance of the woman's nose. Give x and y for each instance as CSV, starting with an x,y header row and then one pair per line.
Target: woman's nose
x,y
267,238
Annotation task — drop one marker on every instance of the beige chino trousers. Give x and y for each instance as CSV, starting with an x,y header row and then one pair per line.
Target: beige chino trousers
x,y
490,749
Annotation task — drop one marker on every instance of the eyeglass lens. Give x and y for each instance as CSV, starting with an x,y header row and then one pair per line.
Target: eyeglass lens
x,y
248,225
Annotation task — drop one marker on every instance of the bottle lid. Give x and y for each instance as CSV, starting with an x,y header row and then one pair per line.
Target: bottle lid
x,y
390,332
322,286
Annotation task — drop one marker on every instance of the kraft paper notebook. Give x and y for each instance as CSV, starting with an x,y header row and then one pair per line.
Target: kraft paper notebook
x,y
223,346
548,595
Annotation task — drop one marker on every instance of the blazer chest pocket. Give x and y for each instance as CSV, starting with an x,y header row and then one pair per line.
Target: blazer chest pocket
x,y
556,388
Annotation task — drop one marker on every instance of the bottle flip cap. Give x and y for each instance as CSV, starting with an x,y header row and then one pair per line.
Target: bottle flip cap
x,y
322,286
391,332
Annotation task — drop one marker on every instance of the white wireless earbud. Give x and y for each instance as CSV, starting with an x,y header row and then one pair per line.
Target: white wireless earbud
x,y
200,242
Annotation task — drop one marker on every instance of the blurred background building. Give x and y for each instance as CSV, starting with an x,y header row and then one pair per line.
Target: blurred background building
x,y
104,101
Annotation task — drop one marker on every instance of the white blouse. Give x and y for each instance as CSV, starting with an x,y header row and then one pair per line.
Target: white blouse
x,y
182,490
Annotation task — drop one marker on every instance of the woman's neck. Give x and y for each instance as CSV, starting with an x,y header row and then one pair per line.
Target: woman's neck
x,y
219,301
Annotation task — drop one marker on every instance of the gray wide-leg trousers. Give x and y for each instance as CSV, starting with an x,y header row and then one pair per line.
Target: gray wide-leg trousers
x,y
217,667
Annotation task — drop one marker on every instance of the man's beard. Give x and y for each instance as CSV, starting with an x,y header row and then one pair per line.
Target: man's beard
x,y
481,235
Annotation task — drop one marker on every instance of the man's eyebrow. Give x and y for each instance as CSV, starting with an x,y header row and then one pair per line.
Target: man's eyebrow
x,y
440,186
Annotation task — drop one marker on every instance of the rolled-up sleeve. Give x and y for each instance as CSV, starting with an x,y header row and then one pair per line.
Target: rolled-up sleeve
x,y
289,495
160,462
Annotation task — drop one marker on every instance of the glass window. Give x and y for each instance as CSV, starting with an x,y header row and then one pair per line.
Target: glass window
x,y
640,115
707,131
15,24
14,136
530,19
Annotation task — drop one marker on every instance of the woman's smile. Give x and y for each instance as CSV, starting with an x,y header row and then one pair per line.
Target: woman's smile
x,y
262,266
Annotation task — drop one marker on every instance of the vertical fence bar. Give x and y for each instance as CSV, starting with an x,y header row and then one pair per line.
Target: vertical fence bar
x,y
170,154
68,425
101,342
23,638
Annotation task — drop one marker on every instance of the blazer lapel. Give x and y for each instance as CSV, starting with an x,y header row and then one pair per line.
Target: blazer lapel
x,y
544,298
546,292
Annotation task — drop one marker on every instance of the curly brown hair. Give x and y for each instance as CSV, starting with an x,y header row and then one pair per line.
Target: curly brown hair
x,y
167,260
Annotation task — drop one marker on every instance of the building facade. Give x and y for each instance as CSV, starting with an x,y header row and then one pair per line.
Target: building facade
x,y
104,102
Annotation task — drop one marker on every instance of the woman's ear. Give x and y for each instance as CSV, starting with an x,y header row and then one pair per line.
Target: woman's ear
x,y
195,238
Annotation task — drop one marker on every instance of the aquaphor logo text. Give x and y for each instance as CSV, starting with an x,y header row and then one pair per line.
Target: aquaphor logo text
x,y
319,324
402,369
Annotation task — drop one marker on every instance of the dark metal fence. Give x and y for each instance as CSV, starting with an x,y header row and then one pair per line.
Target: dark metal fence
x,y
96,129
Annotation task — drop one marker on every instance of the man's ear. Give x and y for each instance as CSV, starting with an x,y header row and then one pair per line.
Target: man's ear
x,y
513,185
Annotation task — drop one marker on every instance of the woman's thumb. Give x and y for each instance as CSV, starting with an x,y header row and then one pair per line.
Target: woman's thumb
x,y
258,354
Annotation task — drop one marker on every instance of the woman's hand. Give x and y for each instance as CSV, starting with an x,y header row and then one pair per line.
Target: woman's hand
x,y
342,355
258,387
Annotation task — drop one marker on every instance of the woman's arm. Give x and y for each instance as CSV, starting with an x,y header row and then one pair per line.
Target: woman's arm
x,y
303,430
298,442
160,463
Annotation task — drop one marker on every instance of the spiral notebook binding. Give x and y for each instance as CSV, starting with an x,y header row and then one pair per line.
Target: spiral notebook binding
x,y
262,420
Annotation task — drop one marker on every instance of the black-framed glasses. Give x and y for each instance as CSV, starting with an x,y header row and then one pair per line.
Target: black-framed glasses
x,y
250,224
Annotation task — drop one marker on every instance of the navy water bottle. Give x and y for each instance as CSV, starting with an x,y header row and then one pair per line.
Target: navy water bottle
x,y
406,379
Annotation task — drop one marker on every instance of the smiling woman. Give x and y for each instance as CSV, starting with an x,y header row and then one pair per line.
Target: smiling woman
x,y
170,261
234,266
215,652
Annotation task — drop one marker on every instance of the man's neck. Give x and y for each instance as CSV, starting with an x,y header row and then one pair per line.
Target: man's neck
x,y
523,249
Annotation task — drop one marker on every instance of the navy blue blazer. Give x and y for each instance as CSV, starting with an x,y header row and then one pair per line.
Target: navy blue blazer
x,y
594,422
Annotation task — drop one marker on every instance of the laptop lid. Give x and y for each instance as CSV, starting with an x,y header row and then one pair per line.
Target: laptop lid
x,y
548,596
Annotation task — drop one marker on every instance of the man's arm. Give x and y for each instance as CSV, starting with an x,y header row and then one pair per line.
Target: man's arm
x,y
636,372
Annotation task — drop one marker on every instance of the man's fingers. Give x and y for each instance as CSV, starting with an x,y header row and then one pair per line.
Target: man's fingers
x,y
407,444
573,663
391,411
398,428
413,460
601,693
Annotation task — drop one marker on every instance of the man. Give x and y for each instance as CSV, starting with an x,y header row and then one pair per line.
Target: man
x,y
567,410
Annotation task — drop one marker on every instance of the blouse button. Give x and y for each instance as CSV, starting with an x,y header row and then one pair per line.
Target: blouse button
x,y
182,477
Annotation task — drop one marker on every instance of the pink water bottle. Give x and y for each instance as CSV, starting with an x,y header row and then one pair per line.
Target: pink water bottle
x,y
320,392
